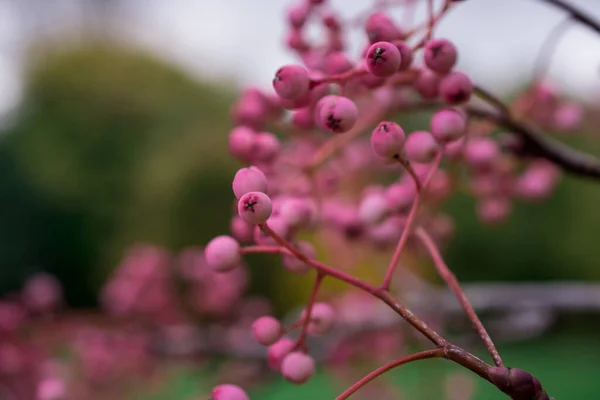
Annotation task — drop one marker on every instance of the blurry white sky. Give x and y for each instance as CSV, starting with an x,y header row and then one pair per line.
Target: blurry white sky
x,y
241,40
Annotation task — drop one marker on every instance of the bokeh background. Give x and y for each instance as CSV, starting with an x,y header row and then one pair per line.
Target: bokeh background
x,y
114,120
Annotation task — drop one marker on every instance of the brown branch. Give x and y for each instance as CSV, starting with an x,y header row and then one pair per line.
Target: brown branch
x,y
576,14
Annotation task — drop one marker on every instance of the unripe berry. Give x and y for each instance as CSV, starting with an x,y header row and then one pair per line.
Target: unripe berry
x,y
266,330
336,114
383,59
448,125
291,82
372,208
249,179
255,207
228,392
420,147
277,352
440,55
296,266
456,88
298,367
380,27
322,318
427,84
387,140
222,253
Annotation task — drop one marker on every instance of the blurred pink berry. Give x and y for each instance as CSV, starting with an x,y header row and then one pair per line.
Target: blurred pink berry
x,y
406,54
297,15
336,114
295,40
291,82
298,367
251,109
322,318
447,125
266,330
373,208
222,253
255,207
298,212
249,179
302,118
383,59
277,352
242,140
456,88
241,230
387,140
400,196
42,293
266,147
493,210
380,27
427,84
277,225
420,147
228,392
51,389
295,265
337,62
538,181
440,55
481,152
568,116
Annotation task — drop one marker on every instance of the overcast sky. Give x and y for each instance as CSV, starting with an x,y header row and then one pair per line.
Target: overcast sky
x,y
241,40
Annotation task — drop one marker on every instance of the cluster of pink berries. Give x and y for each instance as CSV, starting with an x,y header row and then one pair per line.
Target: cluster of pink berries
x,y
324,177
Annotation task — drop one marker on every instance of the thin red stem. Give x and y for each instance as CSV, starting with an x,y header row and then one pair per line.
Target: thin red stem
x,y
293,327
387,280
262,249
301,343
454,285
381,294
339,78
423,355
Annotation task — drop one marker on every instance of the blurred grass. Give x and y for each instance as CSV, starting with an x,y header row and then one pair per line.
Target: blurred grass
x,y
567,364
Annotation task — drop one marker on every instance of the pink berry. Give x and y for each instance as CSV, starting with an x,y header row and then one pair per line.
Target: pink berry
x,y
400,196
383,59
291,82
322,318
380,27
406,54
481,152
298,212
337,62
251,109
427,84
222,253
456,88
266,147
228,392
298,367
336,114
266,330
493,210
387,140
295,265
303,118
568,116
242,140
295,40
277,225
448,125
255,207
241,230
420,147
440,55
538,181
373,208
277,352
249,179
297,15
